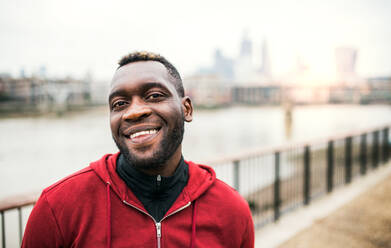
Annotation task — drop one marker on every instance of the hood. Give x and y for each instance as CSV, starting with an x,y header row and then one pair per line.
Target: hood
x,y
201,177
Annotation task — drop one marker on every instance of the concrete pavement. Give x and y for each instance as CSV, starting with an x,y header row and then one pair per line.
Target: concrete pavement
x,y
292,223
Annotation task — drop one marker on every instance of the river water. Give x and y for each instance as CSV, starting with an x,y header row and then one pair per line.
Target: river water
x,y
36,152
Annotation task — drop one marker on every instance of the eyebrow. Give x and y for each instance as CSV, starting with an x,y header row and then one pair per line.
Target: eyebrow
x,y
143,88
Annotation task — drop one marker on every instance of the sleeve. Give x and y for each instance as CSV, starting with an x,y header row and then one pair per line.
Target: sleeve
x,y
42,229
248,237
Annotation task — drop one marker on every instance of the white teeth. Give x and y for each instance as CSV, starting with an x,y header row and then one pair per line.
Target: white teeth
x,y
152,131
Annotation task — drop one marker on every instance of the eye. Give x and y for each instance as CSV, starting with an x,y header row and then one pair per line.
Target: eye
x,y
119,104
155,96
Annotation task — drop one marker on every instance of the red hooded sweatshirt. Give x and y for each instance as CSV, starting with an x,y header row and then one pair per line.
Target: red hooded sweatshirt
x,y
95,208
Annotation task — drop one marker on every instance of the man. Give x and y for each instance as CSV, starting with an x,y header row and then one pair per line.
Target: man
x,y
146,195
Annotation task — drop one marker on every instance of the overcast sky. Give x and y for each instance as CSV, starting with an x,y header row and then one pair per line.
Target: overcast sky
x,y
73,36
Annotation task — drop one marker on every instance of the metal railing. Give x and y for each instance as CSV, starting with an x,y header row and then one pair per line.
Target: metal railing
x,y
22,204
274,180
277,180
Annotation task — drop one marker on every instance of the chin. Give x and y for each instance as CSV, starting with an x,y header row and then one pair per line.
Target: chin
x,y
145,162
145,158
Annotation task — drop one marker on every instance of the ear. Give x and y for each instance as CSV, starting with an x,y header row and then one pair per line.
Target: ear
x,y
187,107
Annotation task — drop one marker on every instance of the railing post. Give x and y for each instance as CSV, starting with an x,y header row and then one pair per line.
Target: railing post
x,y
363,154
2,228
348,160
20,225
375,149
385,145
277,186
236,175
307,173
330,166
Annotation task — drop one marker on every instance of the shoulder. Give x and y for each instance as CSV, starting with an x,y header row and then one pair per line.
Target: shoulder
x,y
73,188
78,177
221,207
60,209
227,202
83,179
228,196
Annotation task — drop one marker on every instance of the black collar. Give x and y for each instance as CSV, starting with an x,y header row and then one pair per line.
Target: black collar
x,y
144,185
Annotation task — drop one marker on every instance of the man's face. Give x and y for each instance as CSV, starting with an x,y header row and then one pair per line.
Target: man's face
x,y
147,115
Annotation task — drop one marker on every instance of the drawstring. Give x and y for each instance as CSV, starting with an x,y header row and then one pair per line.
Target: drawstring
x,y
193,226
108,226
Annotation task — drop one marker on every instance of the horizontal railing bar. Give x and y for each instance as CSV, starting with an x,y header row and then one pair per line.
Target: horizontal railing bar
x,y
18,201
280,148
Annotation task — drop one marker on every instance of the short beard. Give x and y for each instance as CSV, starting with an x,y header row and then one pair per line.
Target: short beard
x,y
167,148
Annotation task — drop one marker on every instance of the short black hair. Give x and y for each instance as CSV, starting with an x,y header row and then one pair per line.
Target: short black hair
x,y
148,56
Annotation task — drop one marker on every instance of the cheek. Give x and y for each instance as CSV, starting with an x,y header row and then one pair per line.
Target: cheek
x,y
114,124
169,112
175,116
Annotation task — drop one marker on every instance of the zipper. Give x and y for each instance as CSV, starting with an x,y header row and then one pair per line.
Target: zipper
x,y
158,181
176,211
158,233
158,225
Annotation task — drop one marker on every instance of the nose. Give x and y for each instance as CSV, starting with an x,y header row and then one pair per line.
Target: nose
x,y
136,111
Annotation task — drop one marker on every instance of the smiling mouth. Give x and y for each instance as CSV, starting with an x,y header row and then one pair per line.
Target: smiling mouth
x,y
143,135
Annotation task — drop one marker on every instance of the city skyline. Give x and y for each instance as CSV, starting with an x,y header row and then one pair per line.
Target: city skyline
x,y
71,38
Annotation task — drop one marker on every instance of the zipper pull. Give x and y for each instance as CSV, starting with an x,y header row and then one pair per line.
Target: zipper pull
x,y
158,181
158,230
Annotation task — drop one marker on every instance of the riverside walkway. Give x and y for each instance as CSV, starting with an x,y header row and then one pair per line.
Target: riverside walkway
x,y
357,215
288,188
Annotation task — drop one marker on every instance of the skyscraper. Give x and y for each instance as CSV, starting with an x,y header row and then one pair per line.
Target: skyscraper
x,y
345,63
245,47
266,66
244,66
223,66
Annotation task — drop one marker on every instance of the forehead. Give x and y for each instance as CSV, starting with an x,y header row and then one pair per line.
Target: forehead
x,y
137,73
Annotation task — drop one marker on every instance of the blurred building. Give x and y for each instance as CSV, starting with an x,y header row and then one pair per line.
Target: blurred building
x,y
244,70
236,80
223,66
37,94
378,90
266,64
345,59
207,90
268,95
